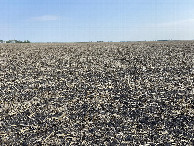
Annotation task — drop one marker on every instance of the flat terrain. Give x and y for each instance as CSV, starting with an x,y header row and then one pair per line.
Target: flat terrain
x,y
134,93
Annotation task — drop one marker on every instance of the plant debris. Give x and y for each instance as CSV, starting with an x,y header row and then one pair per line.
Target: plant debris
x,y
137,93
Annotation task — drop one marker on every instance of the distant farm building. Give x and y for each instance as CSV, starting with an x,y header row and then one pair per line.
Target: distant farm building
x,y
11,41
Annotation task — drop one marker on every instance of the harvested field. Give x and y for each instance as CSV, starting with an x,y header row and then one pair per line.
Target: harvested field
x,y
97,93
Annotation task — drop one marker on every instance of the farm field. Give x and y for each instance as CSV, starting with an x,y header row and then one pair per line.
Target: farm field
x,y
131,93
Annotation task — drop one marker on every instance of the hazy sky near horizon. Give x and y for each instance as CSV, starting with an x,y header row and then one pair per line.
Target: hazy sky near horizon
x,y
95,20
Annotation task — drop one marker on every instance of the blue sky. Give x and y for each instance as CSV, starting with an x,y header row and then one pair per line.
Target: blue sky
x,y
93,20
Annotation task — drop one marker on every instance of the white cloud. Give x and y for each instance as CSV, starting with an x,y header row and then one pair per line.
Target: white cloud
x,y
178,24
45,18
179,29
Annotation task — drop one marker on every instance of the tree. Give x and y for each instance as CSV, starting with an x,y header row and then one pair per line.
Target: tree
x,y
26,41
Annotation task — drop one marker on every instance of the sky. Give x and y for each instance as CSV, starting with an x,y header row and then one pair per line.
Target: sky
x,y
96,20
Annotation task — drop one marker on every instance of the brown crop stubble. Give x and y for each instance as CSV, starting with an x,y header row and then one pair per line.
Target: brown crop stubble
x,y
96,93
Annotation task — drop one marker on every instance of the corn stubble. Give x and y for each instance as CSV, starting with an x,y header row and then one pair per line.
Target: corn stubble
x,y
97,93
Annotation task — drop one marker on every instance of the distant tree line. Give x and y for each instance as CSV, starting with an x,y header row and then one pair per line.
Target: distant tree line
x,y
17,41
